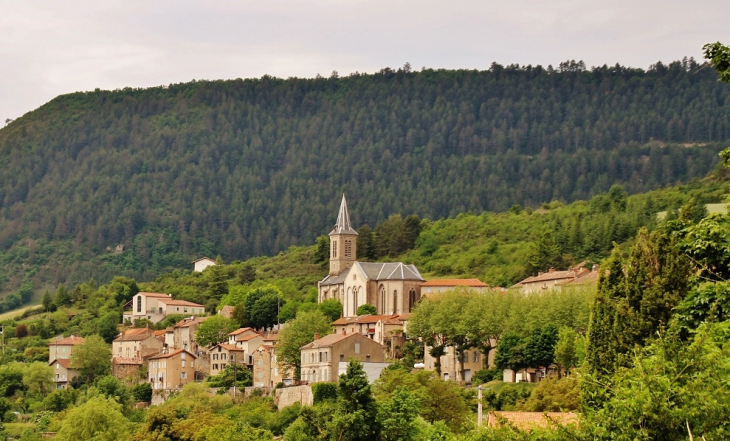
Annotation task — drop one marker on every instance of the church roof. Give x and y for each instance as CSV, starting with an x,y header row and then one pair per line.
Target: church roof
x,y
378,271
343,225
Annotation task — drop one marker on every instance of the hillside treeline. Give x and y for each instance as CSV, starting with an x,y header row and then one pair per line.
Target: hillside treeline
x,y
249,167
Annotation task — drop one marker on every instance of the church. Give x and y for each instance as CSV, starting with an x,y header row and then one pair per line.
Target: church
x,y
392,287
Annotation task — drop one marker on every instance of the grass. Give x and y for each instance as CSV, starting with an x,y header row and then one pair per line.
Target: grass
x,y
15,430
35,300
711,209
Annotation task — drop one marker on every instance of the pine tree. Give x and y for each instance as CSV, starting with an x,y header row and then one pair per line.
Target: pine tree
x,y
47,300
62,297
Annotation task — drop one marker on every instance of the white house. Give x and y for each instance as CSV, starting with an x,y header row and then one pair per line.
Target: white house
x,y
202,263
156,306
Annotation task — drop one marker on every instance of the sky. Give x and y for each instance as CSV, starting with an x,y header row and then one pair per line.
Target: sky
x,y
51,47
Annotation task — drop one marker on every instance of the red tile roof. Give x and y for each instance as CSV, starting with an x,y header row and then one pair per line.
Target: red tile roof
x,y
328,340
170,354
123,360
474,283
248,337
184,323
241,330
154,294
173,302
72,340
65,362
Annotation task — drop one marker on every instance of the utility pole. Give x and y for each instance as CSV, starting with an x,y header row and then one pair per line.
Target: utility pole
x,y
3,333
233,359
479,406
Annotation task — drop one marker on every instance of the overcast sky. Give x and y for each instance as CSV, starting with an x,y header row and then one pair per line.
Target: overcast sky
x,y
52,47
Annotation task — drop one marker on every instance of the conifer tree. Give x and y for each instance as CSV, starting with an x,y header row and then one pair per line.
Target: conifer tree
x,y
62,297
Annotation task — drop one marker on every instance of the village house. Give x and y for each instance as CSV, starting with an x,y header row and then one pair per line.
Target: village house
x,y
223,354
393,287
266,370
184,333
320,359
130,352
441,285
452,366
201,264
156,306
384,329
171,370
59,358
554,279
246,339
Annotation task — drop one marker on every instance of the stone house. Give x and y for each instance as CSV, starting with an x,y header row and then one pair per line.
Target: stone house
x,y
441,285
266,370
136,343
223,354
62,372
384,329
171,370
452,366
320,359
184,333
393,287
201,264
60,349
156,306
554,279
128,370
248,340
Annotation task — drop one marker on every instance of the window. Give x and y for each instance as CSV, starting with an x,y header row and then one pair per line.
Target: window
x,y
357,348
348,248
223,356
476,356
183,363
139,303
465,357
261,363
192,363
334,249
412,299
185,309
382,300
395,302
183,375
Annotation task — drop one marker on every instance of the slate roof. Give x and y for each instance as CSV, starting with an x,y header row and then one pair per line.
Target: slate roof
x,y
378,271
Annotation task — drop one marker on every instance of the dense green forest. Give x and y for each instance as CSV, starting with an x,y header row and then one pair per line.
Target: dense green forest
x,y
245,168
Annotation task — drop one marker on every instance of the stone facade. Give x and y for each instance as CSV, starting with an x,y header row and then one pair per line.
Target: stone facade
x,y
296,394
393,288
321,357
172,370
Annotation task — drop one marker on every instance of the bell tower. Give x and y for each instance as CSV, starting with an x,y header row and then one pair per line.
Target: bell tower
x,y
343,242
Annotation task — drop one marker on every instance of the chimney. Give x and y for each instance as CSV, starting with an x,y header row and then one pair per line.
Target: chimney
x,y
316,335
552,269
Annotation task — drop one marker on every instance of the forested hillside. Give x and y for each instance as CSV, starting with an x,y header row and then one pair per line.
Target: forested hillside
x,y
249,167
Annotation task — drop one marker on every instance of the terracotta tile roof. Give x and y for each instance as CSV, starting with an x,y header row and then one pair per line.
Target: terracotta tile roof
x,y
404,317
328,340
582,279
227,347
475,283
154,294
241,331
173,302
134,337
72,340
531,420
171,354
160,333
266,348
65,362
248,337
123,360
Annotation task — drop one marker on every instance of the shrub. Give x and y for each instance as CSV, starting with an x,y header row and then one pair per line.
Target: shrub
x,y
324,391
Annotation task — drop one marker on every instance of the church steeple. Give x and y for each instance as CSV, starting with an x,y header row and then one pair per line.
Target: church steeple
x,y
343,220
343,242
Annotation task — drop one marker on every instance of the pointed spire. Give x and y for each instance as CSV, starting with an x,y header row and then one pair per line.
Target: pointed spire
x,y
343,219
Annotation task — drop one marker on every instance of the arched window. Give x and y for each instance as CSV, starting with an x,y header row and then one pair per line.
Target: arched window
x,y
354,301
395,301
411,299
382,299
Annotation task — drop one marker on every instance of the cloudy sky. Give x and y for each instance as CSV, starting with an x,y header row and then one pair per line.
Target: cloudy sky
x,y
51,47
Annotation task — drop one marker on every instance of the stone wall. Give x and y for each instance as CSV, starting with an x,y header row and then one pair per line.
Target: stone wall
x,y
296,394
